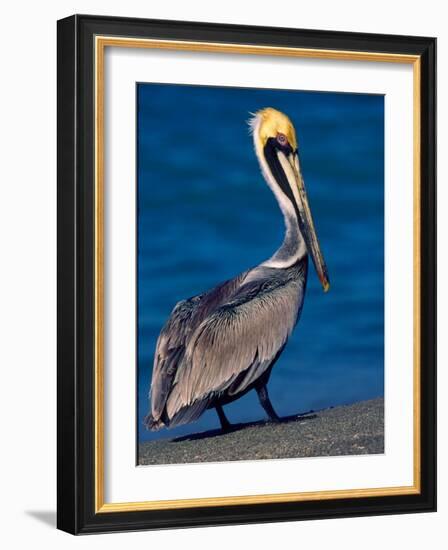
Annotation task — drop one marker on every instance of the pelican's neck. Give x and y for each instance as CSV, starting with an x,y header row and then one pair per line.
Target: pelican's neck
x,y
293,247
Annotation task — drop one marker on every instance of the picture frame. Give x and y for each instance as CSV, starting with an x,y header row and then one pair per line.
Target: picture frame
x,y
82,42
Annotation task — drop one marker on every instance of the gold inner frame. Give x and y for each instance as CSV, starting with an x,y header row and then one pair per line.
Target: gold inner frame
x,y
101,42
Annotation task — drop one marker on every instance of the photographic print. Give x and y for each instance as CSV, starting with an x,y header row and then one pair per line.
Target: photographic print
x,y
260,274
246,274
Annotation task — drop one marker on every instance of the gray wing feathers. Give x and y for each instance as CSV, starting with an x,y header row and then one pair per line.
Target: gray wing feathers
x,y
169,351
235,344
169,359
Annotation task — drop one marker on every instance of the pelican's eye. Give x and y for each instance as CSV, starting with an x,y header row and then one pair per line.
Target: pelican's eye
x,y
282,139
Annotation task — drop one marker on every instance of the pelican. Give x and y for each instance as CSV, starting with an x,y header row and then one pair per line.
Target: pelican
x,y
219,345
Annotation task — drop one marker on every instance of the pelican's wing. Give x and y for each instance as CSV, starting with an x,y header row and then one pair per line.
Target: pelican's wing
x,y
170,348
174,337
234,345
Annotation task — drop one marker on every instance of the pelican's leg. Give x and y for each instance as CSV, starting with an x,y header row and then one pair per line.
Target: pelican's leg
x,y
225,424
263,396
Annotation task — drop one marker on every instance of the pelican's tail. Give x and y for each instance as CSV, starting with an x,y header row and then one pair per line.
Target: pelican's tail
x,y
153,424
185,415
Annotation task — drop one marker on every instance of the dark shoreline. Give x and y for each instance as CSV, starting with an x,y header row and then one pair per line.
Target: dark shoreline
x,y
356,429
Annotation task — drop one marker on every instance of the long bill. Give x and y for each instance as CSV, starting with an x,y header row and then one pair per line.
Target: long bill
x,y
293,174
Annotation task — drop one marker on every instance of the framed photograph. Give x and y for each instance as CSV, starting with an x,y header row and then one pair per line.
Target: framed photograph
x,y
246,274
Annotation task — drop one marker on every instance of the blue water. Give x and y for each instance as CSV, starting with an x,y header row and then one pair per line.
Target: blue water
x,y
205,214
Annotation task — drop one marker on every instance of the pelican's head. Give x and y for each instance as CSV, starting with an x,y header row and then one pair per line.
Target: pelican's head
x,y
277,151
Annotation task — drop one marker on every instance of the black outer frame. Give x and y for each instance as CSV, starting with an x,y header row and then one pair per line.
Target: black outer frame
x,y
75,403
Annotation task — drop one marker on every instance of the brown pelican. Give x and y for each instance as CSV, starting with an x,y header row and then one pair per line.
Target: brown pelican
x,y
217,346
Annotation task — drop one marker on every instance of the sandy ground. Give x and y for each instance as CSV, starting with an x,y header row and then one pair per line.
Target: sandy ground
x,y
347,430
